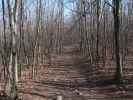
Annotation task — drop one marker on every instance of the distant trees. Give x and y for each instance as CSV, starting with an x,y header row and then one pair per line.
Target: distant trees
x,y
32,36
29,41
97,37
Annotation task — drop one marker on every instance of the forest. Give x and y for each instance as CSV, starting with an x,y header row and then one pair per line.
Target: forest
x,y
66,49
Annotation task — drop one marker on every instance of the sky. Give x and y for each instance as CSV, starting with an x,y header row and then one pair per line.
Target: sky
x,y
30,5
67,6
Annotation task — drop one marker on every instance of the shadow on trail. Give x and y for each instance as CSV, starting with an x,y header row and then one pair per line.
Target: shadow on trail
x,y
89,84
95,78
94,74
102,87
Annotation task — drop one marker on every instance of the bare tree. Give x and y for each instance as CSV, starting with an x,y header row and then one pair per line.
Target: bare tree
x,y
119,70
12,12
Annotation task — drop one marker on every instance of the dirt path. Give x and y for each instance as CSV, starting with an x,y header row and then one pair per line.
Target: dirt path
x,y
65,77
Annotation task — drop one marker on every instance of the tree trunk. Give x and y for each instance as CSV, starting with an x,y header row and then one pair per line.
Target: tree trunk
x,y
119,74
13,73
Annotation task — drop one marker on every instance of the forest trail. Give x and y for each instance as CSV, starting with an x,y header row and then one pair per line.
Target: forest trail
x,y
72,80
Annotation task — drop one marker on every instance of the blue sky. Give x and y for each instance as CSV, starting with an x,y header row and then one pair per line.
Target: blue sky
x,y
30,5
67,8
67,5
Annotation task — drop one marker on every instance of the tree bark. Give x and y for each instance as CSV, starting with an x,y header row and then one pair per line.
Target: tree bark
x,y
13,56
119,73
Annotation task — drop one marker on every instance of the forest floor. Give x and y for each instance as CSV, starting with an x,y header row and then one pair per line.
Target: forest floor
x,y
73,79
